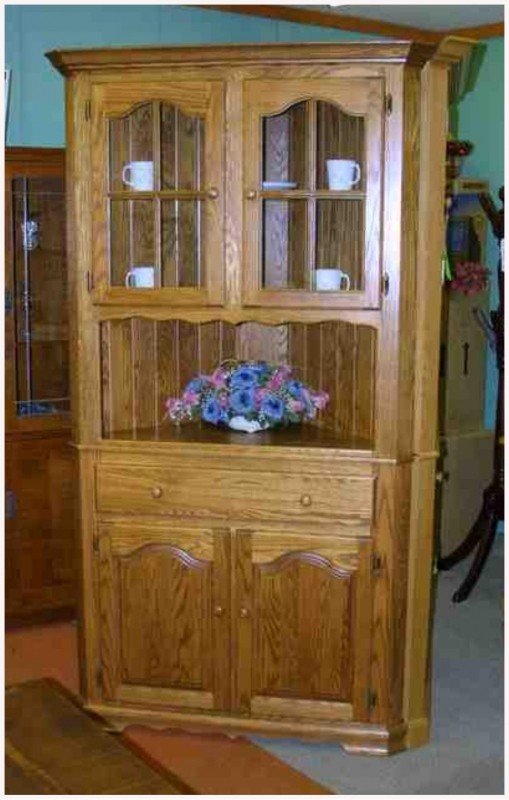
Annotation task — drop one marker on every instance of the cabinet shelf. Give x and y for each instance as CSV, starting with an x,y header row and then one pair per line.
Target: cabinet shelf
x,y
306,435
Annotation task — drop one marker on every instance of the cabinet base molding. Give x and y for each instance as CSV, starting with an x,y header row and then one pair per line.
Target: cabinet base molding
x,y
358,738
418,733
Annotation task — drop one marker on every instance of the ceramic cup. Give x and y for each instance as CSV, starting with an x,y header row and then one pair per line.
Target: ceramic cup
x,y
139,175
140,278
343,173
331,280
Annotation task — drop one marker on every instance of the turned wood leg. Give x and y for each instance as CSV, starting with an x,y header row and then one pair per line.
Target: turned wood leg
x,y
481,555
475,534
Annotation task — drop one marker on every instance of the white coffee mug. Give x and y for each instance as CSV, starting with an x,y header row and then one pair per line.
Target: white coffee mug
x,y
343,173
140,278
139,175
331,280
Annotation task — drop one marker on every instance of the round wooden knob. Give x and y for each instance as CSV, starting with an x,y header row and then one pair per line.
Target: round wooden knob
x,y
305,500
244,613
251,195
219,611
213,193
157,492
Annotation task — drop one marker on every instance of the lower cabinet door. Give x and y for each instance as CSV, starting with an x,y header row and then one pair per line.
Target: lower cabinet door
x,y
164,603
303,611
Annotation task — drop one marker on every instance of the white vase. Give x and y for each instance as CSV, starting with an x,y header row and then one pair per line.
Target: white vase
x,y
246,425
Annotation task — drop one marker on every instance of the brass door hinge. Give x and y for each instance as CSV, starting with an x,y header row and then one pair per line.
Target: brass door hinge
x,y
371,699
95,543
385,284
388,104
89,282
88,109
376,564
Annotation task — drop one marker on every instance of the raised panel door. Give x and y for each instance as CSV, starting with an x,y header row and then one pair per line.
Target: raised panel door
x,y
157,164
302,626
312,192
165,615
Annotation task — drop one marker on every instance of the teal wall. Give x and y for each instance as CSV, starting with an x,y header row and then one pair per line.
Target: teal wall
x,y
36,115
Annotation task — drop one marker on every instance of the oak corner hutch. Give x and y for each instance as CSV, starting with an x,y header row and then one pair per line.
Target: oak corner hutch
x,y
277,583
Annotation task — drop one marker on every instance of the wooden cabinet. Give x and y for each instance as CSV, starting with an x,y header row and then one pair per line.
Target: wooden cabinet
x,y
39,464
164,599
270,202
302,617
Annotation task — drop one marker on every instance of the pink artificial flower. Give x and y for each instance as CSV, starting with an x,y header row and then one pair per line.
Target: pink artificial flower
x,y
296,405
192,398
320,399
218,377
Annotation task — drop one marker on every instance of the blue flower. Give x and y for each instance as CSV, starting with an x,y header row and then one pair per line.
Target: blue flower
x,y
273,407
243,400
211,411
294,388
195,385
244,377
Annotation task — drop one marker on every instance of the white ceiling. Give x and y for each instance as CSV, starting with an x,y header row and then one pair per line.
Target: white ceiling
x,y
431,17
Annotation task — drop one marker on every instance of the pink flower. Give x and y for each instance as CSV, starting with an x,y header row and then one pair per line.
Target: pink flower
x,y
296,405
218,377
320,399
191,397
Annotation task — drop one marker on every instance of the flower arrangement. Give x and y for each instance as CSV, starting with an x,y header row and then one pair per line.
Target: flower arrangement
x,y
456,150
459,147
469,278
247,396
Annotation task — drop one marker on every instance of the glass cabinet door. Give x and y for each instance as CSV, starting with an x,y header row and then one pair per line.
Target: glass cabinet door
x,y
158,192
36,298
313,152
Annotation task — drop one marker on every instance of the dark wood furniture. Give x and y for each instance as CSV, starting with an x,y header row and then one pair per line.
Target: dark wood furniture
x,y
280,582
52,746
40,576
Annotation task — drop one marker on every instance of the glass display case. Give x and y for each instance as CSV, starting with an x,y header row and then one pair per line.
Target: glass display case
x,y
39,296
40,580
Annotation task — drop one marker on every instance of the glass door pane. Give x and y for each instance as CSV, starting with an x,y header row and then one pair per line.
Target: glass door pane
x,y
40,296
340,162
182,149
285,244
339,254
155,198
313,192
285,151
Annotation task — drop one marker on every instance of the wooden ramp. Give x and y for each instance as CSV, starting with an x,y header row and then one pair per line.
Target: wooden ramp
x,y
52,746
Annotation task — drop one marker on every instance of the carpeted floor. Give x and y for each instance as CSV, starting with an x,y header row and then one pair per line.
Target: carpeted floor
x,y
466,752
465,755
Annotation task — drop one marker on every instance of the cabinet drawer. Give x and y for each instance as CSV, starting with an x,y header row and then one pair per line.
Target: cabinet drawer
x,y
232,494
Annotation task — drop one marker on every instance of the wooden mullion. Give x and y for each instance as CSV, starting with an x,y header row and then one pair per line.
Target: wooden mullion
x,y
311,202
156,113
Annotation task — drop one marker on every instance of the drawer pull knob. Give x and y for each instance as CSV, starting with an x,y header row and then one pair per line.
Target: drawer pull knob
x,y
219,611
305,500
157,492
244,613
251,195
213,193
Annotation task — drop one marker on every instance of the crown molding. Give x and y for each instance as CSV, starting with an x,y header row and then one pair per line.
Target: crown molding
x,y
480,32
306,16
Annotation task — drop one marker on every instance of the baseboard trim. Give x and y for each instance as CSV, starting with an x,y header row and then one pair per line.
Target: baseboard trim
x,y
360,738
